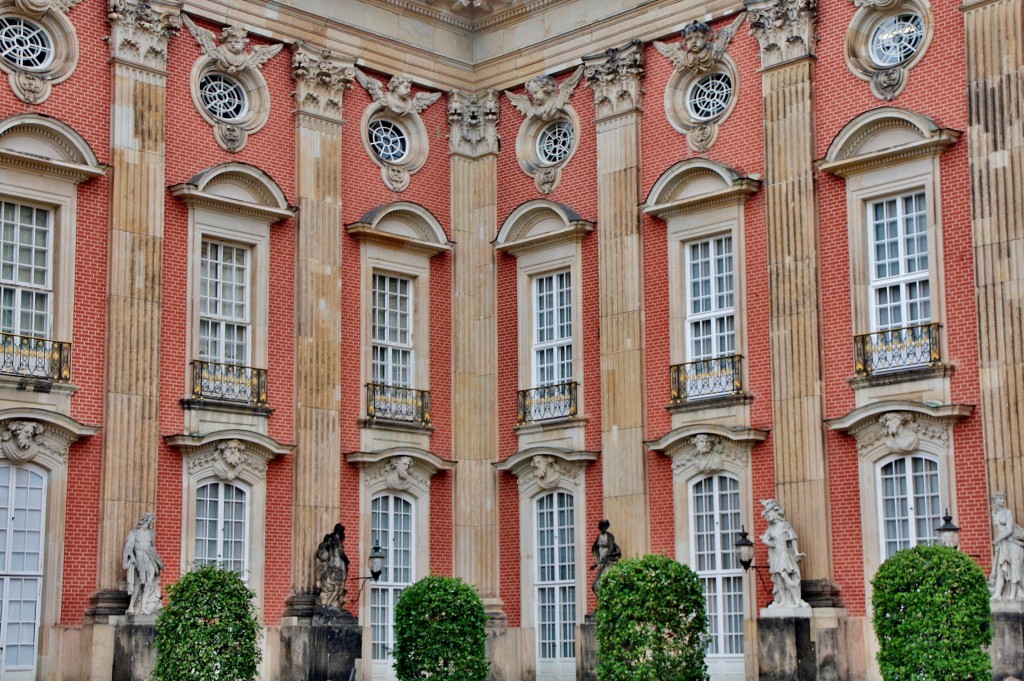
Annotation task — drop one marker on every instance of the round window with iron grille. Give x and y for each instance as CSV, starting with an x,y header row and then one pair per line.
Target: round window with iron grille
x,y
388,140
896,39
555,142
709,96
24,43
223,96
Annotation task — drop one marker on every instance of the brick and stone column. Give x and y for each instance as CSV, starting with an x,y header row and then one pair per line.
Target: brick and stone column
x,y
320,80
615,79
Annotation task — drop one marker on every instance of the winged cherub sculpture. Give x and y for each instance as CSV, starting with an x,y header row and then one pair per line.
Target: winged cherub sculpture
x,y
231,56
701,47
398,97
545,98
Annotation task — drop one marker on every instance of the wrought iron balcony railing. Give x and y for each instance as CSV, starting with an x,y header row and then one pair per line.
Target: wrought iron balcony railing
x,y
716,377
910,347
229,382
556,401
33,357
392,403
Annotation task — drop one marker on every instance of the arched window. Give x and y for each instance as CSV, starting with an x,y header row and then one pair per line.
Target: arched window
x,y
391,528
555,585
222,526
715,505
910,505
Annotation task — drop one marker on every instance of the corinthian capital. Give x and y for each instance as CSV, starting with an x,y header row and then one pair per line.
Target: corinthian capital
x,y
474,121
784,28
139,31
615,79
320,80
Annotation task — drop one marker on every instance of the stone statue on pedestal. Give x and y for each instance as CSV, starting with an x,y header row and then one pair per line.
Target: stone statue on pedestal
x,y
142,567
783,556
606,551
332,570
1007,580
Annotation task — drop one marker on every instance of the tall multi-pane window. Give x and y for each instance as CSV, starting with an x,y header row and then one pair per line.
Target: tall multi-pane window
x,y
900,290
23,504
910,502
711,300
222,526
224,303
556,586
391,528
552,336
392,362
26,270
715,504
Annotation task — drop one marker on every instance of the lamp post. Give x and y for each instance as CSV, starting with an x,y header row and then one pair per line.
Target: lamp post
x,y
744,549
376,563
949,534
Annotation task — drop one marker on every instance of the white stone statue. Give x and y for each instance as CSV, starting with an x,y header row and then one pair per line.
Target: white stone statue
x,y
1007,580
783,556
142,567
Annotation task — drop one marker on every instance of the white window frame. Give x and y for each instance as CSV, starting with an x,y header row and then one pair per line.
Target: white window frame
x,y
383,666
911,498
560,665
561,282
721,665
716,313
220,520
221,320
903,280
396,347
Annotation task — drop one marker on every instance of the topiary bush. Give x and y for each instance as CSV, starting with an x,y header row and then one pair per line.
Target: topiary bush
x,y
651,622
439,632
932,616
209,631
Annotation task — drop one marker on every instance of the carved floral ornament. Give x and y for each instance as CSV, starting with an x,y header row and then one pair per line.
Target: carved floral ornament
x,y
229,455
38,47
615,79
320,80
901,427
542,469
702,92
39,437
140,31
392,131
474,122
703,449
227,87
549,136
402,469
784,29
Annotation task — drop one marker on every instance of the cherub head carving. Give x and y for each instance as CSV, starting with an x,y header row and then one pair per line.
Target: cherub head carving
x,y
398,97
696,36
231,55
545,98
701,48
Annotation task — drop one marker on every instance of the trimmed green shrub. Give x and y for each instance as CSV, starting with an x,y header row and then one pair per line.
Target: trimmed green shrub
x,y
209,631
932,616
651,622
439,632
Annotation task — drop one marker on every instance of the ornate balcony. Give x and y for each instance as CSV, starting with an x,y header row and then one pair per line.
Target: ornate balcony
x,y
556,401
229,383
392,403
706,378
33,357
910,347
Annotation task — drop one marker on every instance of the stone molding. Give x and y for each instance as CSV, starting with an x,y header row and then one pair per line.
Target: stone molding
x,y
784,29
474,122
899,427
615,78
703,448
540,224
229,454
399,469
34,86
140,31
42,437
886,82
403,225
541,469
320,81
684,188
218,188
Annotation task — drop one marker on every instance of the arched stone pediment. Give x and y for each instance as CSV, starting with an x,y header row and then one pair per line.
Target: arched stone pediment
x,y
403,224
44,143
544,468
697,183
703,448
884,136
891,427
540,223
400,469
40,436
229,454
236,187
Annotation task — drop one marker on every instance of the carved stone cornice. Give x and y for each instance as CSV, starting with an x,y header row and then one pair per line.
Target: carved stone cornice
x,y
140,31
39,436
891,427
37,8
229,454
320,81
700,449
474,121
784,29
878,4
545,468
615,79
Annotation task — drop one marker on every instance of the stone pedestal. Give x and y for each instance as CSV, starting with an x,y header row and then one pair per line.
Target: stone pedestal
x,y
785,651
587,667
497,646
1007,649
134,647
322,648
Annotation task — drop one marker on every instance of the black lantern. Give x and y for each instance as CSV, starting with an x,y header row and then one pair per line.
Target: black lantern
x,y
949,534
744,549
376,562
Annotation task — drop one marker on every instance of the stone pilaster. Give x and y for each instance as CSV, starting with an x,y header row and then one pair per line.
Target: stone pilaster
x,y
995,52
320,81
615,78
474,180
785,31
139,34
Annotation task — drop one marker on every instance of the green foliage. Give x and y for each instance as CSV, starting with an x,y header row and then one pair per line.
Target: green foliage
x,y
932,616
651,622
439,632
209,632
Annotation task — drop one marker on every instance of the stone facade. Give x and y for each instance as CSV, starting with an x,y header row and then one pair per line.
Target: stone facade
x,y
468,277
